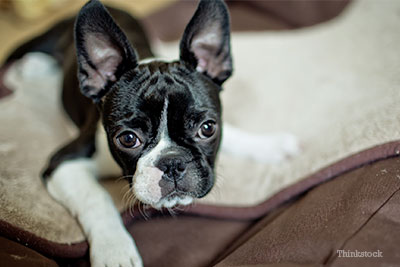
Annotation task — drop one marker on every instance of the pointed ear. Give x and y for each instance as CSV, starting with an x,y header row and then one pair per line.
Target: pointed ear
x,y
104,53
205,44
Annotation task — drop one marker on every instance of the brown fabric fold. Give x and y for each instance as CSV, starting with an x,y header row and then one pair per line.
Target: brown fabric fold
x,y
357,211
245,214
16,255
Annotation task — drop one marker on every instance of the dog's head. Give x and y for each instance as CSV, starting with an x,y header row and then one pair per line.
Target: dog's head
x,y
162,119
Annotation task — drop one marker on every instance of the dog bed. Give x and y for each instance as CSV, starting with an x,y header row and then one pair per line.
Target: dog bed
x,y
334,85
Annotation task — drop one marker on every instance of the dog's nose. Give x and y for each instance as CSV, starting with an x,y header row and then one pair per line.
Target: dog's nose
x,y
173,167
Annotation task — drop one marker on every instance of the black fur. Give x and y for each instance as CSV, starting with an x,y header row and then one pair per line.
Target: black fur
x,y
58,42
136,103
128,96
94,21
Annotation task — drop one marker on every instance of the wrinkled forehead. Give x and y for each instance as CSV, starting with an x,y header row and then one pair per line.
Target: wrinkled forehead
x,y
169,78
145,91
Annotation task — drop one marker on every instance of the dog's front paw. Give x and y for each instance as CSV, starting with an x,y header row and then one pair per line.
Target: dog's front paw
x,y
117,250
288,144
273,148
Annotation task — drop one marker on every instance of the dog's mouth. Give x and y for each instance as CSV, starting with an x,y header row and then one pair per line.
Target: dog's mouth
x,y
174,198
169,187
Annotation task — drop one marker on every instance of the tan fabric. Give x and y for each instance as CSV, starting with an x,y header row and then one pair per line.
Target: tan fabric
x,y
335,86
356,211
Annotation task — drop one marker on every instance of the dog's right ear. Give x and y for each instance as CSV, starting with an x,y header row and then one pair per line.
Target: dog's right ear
x,y
104,52
205,44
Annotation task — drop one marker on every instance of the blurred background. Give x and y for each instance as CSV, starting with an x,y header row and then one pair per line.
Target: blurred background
x,y
163,19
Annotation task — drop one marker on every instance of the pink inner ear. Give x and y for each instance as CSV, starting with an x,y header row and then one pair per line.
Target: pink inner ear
x,y
205,47
105,56
208,61
201,64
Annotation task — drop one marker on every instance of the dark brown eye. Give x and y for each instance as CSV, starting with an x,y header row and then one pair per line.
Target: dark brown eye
x,y
129,140
207,130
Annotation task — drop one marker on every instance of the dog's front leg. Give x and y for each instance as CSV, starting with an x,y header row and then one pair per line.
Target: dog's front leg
x,y
74,185
268,148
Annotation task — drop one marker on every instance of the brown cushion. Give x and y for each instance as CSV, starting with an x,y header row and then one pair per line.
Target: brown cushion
x,y
362,111
250,15
382,114
357,211
17,255
354,211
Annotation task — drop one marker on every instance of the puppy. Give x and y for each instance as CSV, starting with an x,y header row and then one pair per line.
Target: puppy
x,y
159,122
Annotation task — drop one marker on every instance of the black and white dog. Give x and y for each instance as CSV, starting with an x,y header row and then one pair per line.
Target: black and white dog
x,y
160,122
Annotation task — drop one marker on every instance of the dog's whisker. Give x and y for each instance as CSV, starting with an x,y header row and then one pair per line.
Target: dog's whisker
x,y
122,177
145,214
127,197
125,186
126,191
179,208
134,203
216,192
193,204
130,200
172,212
127,204
145,207
140,207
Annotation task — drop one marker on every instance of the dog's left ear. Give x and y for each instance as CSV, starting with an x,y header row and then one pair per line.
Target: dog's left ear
x,y
104,52
205,44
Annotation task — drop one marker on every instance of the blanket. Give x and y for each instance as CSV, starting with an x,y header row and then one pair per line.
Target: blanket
x,y
334,85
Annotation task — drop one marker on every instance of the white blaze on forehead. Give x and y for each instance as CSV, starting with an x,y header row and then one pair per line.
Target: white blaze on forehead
x,y
147,176
146,180
153,59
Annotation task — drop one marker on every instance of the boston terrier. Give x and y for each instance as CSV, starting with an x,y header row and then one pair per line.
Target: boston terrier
x,y
158,122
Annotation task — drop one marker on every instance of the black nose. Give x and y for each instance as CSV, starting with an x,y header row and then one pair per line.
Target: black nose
x,y
173,167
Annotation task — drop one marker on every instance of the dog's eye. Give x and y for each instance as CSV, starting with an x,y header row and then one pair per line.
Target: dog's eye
x,y
207,130
129,140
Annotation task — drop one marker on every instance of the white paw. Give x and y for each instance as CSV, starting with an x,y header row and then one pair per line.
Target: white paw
x,y
111,249
272,148
289,144
263,148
